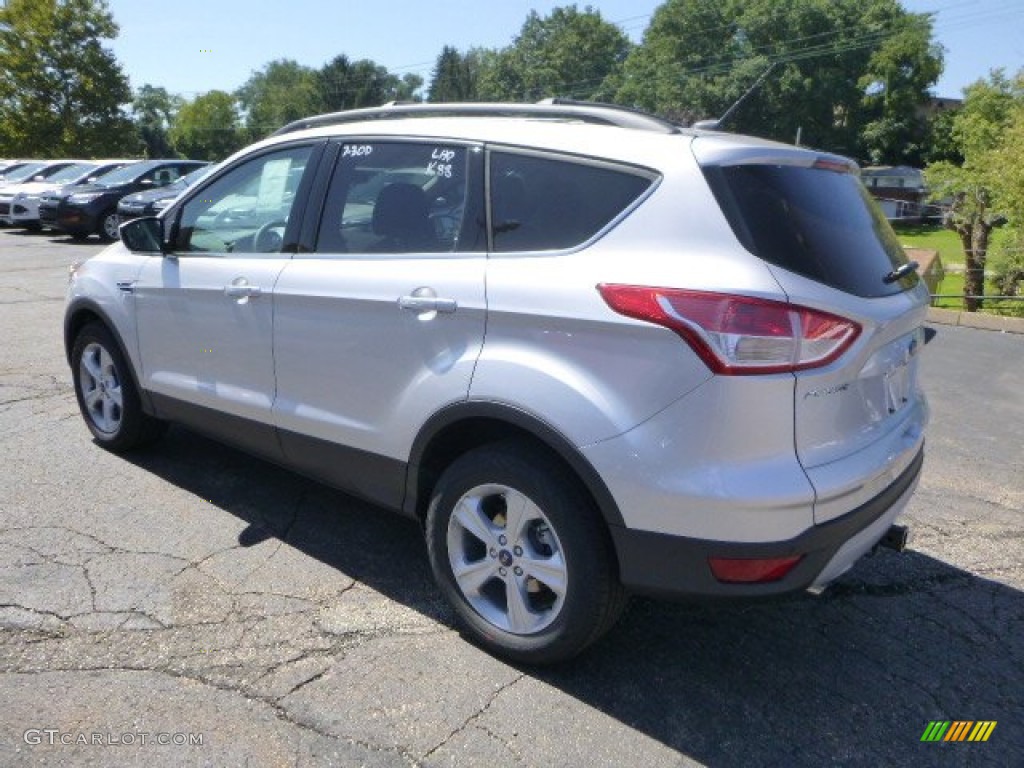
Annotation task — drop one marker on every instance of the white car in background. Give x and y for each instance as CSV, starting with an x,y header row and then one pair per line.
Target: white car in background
x,y
34,171
19,202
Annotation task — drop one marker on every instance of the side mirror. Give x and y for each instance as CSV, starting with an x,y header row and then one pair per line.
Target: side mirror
x,y
146,182
145,235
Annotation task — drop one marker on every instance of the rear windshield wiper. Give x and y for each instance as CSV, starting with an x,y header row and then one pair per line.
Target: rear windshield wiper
x,y
901,272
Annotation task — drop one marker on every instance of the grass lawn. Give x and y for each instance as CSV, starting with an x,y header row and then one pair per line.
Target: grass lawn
x,y
947,243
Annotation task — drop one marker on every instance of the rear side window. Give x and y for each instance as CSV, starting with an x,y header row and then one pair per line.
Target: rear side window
x,y
818,223
544,204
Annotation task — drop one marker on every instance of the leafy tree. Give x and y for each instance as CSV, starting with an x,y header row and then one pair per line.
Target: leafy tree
x,y
1007,165
61,91
281,92
836,66
344,84
208,127
154,110
407,87
567,53
899,73
454,77
982,128
940,144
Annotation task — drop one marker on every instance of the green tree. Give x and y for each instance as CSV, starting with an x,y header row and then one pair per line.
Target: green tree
x,y
569,53
61,91
899,73
281,92
154,110
208,127
344,84
940,144
454,77
1007,174
837,66
975,189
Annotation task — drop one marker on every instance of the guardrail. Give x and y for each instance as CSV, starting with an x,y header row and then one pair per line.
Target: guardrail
x,y
1000,305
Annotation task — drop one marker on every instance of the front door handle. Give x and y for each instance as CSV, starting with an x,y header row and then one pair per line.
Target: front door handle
x,y
425,300
425,304
241,290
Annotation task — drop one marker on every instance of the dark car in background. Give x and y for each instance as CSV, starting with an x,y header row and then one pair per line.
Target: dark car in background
x,y
93,208
152,201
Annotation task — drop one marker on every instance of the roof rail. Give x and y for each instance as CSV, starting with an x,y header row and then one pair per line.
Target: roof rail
x,y
564,109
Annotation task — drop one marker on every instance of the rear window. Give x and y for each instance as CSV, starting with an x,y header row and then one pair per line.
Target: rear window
x,y
820,224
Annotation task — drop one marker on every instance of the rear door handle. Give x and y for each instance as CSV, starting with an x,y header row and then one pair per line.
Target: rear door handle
x,y
416,303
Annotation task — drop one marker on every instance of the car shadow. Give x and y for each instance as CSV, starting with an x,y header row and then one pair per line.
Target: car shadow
x,y
852,677
25,232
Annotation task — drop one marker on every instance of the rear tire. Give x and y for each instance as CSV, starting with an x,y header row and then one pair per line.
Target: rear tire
x,y
106,393
522,554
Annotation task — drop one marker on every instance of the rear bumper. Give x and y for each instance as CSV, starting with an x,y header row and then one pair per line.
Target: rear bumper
x,y
667,565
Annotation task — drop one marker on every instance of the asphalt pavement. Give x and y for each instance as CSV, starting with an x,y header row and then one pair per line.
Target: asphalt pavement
x,y
190,605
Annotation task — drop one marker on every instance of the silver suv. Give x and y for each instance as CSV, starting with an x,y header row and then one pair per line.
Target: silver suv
x,y
593,353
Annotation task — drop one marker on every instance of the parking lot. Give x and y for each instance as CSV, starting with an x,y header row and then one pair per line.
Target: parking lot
x,y
252,617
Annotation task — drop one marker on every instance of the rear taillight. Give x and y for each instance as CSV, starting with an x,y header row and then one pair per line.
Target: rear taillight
x,y
739,335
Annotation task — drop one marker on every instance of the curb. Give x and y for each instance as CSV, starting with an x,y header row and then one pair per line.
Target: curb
x,y
977,320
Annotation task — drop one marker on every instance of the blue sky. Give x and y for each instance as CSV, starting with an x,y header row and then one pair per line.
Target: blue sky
x,y
192,46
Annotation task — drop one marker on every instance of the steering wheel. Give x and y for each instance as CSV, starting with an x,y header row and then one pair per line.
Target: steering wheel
x,y
267,239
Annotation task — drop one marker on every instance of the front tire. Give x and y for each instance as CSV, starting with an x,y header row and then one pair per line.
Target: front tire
x,y
108,229
106,393
522,554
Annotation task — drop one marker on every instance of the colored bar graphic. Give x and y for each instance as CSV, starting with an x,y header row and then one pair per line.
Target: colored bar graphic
x,y
958,730
935,731
982,730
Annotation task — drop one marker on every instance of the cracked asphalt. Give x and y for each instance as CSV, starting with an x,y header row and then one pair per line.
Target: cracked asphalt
x,y
192,591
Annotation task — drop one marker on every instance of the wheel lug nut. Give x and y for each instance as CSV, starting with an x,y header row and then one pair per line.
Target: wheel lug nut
x,y
518,571
502,540
518,551
493,552
503,571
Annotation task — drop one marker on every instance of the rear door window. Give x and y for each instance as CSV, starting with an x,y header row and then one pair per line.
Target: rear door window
x,y
395,198
817,223
546,203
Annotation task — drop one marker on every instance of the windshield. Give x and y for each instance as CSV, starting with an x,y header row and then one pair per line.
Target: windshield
x,y
73,172
25,172
187,180
191,178
122,175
